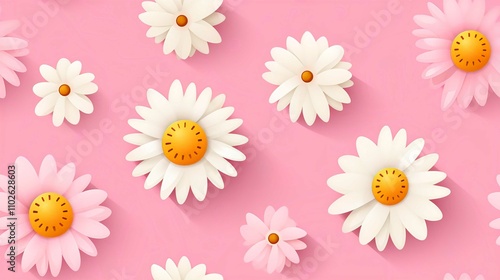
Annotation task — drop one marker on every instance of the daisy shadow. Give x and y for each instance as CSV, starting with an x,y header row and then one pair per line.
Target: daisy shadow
x,y
349,116
228,48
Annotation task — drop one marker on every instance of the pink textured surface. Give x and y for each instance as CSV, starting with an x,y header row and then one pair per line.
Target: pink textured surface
x,y
287,164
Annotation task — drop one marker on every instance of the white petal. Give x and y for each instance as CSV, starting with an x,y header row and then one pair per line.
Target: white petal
x,y
199,10
373,223
350,201
329,58
157,173
428,177
81,102
49,74
350,182
205,31
73,70
184,45
214,175
284,89
172,40
337,93
215,18
146,165
383,236
226,151
138,139
319,102
157,18
333,77
224,128
429,191
81,80
59,111
233,139
171,179
216,117
62,68
357,216
397,230
147,128
297,102
159,273
423,164
423,208
146,151
411,153
47,104
44,89
72,114
221,164
415,225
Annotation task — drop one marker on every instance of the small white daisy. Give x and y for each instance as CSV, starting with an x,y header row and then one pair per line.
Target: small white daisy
x,y
65,92
186,26
183,271
184,141
310,77
388,189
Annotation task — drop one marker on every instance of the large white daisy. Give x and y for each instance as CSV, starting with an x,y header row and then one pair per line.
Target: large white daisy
x,y
388,189
310,77
186,26
183,140
65,92
183,271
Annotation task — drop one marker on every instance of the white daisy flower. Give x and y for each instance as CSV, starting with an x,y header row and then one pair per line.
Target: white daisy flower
x,y
388,189
186,26
184,141
310,77
65,92
183,271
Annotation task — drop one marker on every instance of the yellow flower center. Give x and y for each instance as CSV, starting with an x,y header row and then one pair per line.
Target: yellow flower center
x,y
64,90
470,51
273,238
184,142
390,186
181,20
50,214
307,76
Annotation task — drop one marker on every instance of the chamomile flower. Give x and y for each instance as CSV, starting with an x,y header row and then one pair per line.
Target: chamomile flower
x,y
184,140
388,190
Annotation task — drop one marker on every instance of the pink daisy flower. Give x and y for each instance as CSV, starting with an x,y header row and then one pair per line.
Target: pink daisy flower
x,y
55,216
494,199
10,49
462,45
274,241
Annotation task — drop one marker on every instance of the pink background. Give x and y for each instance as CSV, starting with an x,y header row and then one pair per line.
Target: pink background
x,y
287,164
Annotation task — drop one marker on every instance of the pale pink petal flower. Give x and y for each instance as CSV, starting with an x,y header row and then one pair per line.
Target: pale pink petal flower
x,y
273,242
463,76
47,245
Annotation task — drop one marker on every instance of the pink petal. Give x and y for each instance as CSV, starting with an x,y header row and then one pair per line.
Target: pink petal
x,y
54,255
297,244
473,15
273,261
11,62
85,244
454,16
282,260
436,69
494,199
292,233
268,215
289,252
493,80
20,208
481,90
65,177
6,27
42,265
440,79
451,89
34,251
18,53
256,224
99,213
279,219
70,250
434,56
260,261
87,200
489,19
78,186
467,92
436,12
89,227
2,88
12,43
423,33
250,235
48,169
434,44
23,242
255,251
28,186
4,183
432,24
9,75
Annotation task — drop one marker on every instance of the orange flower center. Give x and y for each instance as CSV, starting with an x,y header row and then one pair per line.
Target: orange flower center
x,y
470,51
64,90
390,186
50,214
184,142
181,20
273,238
307,76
